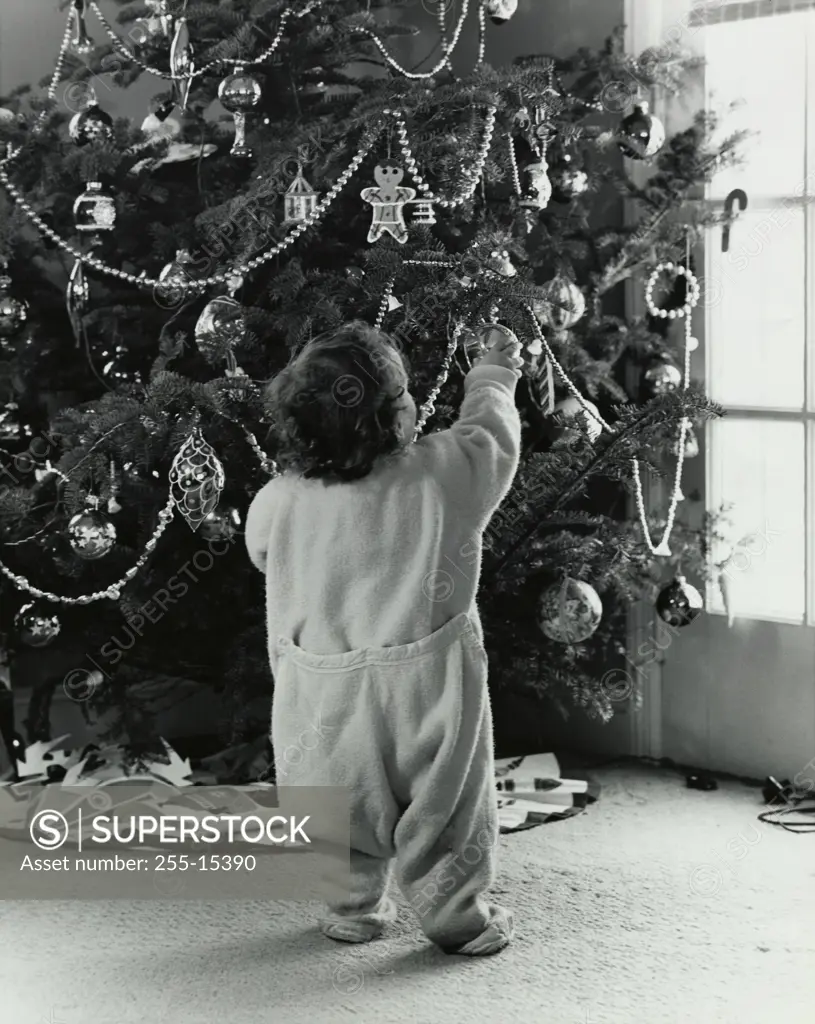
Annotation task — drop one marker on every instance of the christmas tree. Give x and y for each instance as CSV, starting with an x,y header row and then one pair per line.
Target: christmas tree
x,y
158,274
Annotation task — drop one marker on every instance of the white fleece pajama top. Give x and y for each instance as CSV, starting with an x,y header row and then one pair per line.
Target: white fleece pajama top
x,y
389,559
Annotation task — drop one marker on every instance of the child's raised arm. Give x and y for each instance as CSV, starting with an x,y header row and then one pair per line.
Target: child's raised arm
x,y
477,458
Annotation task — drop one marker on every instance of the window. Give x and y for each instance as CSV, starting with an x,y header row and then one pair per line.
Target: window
x,y
760,308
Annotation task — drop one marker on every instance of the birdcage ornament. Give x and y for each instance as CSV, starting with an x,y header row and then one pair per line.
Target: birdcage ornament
x,y
423,212
300,200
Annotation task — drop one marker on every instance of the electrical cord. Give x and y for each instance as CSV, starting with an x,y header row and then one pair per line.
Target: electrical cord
x,y
793,802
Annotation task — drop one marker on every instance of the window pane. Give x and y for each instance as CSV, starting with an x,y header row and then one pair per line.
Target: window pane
x,y
757,466
762,62
755,299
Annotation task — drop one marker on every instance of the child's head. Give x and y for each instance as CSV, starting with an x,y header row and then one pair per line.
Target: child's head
x,y
340,404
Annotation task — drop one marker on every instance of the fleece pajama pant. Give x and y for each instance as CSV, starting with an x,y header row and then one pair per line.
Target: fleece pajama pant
x,y
408,730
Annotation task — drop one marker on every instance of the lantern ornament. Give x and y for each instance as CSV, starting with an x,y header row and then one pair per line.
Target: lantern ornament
x,y
300,200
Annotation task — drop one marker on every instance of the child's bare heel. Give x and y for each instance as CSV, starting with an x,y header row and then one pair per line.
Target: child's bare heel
x,y
495,937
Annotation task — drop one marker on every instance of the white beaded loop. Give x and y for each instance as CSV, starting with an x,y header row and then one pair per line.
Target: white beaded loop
x,y
692,298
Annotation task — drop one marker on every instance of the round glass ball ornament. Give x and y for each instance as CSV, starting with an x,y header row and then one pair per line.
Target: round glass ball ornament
x,y
91,534
691,444
481,339
36,624
570,415
93,124
221,524
500,11
219,329
569,612
13,312
94,210
568,180
641,134
239,92
679,603
9,424
174,281
560,304
660,378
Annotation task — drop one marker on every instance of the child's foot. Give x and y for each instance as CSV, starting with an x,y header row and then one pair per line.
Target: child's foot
x,y
359,929
495,937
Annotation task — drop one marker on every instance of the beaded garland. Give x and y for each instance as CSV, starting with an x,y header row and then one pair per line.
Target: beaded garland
x,y
129,54
692,298
472,177
446,49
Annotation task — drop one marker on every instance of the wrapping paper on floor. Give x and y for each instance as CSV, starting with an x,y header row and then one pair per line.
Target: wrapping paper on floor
x,y
531,792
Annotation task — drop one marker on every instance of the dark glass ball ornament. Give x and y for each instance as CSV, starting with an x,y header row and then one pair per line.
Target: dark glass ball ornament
x,y
36,624
93,124
641,135
568,180
679,603
13,314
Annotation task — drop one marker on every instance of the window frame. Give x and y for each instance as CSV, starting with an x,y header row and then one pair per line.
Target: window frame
x,y
732,10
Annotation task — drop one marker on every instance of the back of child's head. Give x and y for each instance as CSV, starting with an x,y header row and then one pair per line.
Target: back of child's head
x,y
334,408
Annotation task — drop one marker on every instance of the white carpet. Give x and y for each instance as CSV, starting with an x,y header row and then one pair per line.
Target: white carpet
x,y
647,909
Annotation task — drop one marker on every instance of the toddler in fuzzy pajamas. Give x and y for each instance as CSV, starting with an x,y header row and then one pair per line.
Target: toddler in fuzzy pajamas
x,y
371,548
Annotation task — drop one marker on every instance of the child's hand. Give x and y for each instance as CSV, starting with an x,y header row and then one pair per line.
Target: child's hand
x,y
505,352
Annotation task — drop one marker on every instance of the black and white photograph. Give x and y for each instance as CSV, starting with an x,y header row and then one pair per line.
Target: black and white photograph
x,y
407,503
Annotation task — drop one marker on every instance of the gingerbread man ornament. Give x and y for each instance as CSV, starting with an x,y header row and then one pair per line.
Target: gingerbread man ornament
x,y
388,200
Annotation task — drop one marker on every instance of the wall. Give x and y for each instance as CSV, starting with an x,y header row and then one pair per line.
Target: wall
x,y
740,699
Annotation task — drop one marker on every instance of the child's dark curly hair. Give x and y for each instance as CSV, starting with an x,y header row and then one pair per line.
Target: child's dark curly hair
x,y
334,409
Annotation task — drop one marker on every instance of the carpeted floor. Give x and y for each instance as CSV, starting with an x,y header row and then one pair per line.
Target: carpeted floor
x,y
660,904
